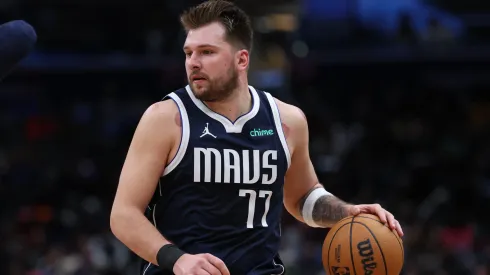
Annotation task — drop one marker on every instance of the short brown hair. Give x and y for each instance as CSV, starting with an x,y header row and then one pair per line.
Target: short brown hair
x,y
235,20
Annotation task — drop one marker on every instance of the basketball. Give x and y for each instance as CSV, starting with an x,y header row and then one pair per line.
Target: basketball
x,y
362,245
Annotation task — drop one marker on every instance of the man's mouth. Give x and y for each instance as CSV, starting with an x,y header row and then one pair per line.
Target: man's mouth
x,y
198,78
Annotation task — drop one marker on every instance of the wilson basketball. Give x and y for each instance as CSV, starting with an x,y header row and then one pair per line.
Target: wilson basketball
x,y
362,245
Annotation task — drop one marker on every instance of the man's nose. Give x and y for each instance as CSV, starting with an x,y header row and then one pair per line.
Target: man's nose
x,y
193,62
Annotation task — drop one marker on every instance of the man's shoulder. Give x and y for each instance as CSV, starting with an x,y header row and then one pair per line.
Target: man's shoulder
x,y
294,124
164,113
162,109
290,114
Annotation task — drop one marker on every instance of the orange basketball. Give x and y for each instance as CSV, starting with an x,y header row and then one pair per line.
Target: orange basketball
x,y
362,245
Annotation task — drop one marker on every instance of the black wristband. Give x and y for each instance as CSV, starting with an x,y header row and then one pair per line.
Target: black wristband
x,y
167,256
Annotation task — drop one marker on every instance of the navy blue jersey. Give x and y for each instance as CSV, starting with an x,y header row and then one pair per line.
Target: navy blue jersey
x,y
223,191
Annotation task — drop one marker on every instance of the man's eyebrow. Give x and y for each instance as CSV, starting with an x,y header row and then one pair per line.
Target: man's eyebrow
x,y
202,46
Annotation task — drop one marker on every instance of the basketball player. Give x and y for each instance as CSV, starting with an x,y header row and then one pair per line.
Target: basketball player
x,y
214,162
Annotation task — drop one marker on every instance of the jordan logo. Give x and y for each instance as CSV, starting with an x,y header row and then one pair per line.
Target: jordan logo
x,y
206,131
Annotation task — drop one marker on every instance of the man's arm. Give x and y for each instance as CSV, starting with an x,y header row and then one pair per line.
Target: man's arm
x,y
145,162
326,210
155,141
304,197
302,191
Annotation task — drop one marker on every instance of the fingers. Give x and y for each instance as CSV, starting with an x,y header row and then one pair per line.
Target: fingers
x,y
208,268
393,224
218,264
380,212
398,229
202,272
390,220
387,218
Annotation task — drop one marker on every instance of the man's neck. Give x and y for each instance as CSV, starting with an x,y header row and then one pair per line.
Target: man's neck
x,y
238,103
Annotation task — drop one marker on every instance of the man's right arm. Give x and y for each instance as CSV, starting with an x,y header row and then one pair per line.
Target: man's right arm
x,y
145,162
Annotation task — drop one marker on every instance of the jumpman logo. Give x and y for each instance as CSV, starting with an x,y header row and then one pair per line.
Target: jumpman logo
x,y
206,131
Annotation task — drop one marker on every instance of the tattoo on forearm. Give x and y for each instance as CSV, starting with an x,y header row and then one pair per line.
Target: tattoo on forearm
x,y
328,210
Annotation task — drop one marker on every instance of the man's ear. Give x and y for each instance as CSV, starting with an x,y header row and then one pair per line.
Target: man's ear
x,y
243,59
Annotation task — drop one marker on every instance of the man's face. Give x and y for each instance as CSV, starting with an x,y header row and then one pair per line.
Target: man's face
x,y
210,63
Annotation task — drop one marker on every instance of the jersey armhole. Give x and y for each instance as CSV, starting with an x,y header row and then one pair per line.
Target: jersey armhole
x,y
278,123
184,137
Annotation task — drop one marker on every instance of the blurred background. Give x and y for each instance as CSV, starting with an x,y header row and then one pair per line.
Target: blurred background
x,y
396,93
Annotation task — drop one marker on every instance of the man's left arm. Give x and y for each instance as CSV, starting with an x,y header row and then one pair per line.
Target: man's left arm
x,y
304,197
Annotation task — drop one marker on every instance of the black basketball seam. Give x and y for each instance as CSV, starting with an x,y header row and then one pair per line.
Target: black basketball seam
x,y
396,237
376,240
350,242
330,245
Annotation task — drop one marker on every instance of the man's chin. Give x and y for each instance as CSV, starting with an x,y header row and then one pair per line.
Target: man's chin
x,y
198,86
199,91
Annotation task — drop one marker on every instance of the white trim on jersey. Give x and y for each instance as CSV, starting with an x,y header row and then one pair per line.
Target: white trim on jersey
x,y
230,127
277,121
283,269
153,214
184,140
146,269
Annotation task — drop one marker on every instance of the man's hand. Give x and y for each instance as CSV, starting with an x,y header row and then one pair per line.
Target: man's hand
x,y
376,209
201,264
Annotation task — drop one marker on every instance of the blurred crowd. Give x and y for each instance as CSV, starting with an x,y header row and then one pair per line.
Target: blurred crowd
x,y
391,136
420,148
414,137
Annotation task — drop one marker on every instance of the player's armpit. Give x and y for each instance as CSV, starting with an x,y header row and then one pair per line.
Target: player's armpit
x,y
147,156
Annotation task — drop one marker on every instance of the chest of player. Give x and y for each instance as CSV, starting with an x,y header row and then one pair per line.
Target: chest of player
x,y
252,156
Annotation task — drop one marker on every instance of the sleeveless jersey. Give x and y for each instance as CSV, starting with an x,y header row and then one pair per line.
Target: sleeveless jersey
x,y
222,193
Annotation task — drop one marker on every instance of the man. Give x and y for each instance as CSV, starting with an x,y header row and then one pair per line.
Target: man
x,y
17,39
213,163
